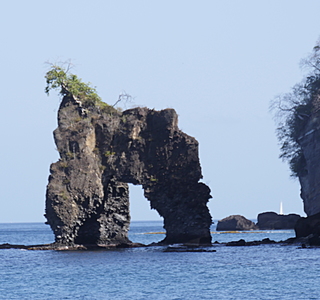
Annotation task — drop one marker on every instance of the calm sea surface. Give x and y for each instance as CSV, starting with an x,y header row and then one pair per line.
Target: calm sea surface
x,y
256,272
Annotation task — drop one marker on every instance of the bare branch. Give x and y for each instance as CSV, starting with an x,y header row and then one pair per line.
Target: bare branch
x,y
124,97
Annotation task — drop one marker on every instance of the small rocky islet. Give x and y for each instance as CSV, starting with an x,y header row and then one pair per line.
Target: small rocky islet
x,y
266,221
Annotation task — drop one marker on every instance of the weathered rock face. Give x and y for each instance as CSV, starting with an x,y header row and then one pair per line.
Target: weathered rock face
x,y
87,200
310,177
271,220
235,222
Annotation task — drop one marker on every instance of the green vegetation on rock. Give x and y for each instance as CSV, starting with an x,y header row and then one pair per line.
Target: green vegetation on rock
x,y
68,84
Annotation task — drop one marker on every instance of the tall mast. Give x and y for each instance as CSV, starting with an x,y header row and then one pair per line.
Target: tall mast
x,y
281,209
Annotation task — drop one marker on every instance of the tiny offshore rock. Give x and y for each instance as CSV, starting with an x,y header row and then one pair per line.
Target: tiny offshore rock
x,y
234,223
101,151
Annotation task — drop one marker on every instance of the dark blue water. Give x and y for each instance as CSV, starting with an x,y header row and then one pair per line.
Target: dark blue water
x,y
257,272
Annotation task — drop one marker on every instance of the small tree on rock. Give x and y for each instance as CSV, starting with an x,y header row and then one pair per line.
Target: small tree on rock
x,y
60,78
68,84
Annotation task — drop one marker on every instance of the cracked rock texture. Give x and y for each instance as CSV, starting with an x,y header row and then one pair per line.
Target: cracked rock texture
x,y
101,151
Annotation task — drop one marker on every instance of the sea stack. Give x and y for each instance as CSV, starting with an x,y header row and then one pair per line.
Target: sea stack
x,y
101,151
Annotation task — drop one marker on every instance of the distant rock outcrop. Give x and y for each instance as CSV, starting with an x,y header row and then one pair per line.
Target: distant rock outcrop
x,y
235,222
101,151
272,220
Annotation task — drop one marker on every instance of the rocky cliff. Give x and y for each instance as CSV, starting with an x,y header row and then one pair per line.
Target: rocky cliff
x,y
101,151
309,177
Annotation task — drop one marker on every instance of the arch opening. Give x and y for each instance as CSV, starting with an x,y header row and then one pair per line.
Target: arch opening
x,y
146,225
140,209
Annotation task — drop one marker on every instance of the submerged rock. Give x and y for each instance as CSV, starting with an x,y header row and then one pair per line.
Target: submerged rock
x,y
242,242
60,247
101,151
187,249
272,220
235,222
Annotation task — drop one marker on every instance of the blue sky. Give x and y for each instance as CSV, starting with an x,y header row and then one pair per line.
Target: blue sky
x,y
218,63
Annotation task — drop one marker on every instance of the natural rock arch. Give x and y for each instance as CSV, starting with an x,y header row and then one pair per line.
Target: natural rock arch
x,y
87,199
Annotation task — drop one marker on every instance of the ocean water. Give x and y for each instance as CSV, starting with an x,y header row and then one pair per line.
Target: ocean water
x,y
255,272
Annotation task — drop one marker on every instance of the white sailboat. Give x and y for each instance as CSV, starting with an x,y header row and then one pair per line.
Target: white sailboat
x,y
281,209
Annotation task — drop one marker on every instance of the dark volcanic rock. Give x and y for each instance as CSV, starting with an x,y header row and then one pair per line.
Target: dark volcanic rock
x,y
308,231
187,249
308,226
235,222
101,151
309,176
271,220
314,240
242,242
